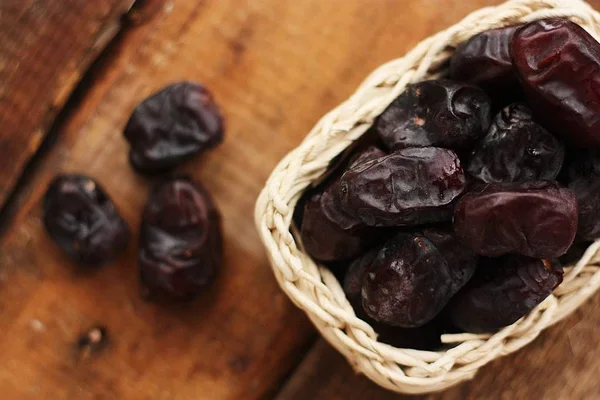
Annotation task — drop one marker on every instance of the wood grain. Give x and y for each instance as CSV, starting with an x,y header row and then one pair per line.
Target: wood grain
x,y
274,67
45,47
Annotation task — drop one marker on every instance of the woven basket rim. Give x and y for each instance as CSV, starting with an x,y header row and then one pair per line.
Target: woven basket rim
x,y
319,294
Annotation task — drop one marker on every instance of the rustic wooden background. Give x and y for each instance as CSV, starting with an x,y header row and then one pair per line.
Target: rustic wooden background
x,y
275,67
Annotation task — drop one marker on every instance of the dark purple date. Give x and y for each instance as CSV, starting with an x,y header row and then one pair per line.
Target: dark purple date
x,y
437,113
558,64
172,126
409,187
426,337
536,219
181,242
83,221
484,60
411,280
502,291
328,232
516,149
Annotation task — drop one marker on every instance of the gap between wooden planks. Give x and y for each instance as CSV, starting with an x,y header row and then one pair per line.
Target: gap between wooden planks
x,y
275,67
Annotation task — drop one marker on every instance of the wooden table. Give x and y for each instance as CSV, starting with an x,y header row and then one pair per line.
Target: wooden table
x,y
275,67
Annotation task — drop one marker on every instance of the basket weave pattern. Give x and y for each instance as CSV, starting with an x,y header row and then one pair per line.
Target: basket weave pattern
x,y
315,290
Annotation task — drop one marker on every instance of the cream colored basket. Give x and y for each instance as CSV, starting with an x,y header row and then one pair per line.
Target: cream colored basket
x,y
315,290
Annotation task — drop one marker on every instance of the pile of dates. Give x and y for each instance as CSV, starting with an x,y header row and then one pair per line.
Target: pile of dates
x,y
453,213
180,248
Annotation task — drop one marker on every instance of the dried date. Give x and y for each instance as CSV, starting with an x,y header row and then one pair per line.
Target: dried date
x,y
409,187
328,232
171,126
438,113
484,60
426,337
83,220
502,291
180,240
558,64
536,219
516,149
411,279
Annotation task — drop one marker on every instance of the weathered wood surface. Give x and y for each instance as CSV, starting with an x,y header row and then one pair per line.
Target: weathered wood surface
x,y
45,47
275,67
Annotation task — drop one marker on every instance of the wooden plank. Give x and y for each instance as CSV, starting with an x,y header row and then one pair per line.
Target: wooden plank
x,y
45,47
275,67
563,363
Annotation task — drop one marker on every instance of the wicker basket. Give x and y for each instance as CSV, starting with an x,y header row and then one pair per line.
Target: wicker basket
x,y
315,290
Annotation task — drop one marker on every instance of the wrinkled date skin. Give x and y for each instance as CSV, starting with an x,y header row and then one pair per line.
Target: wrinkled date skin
x,y
409,187
558,64
536,219
411,280
516,149
369,141
502,291
328,232
82,219
587,192
171,126
181,244
484,60
367,144
426,337
438,113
